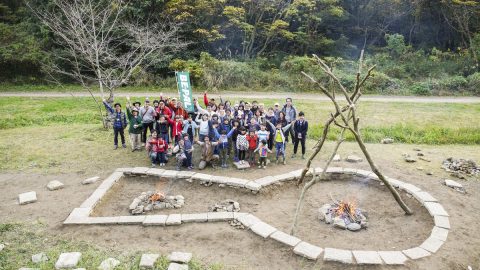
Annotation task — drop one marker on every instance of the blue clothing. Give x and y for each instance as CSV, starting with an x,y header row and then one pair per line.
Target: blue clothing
x,y
119,118
223,139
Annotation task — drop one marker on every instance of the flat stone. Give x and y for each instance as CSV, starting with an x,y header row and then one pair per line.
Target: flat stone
x,y
284,238
2,246
180,257
266,181
170,174
393,257
435,209
139,170
409,188
102,220
124,170
410,159
110,181
416,253
134,204
439,233
252,185
307,250
131,219
241,166
109,264
155,220
338,255
337,158
351,171
68,260
174,219
354,227
339,223
432,244
248,220
200,217
386,141
155,172
39,258
55,185
202,177
453,184
442,222
27,268
27,197
367,257
423,196
96,196
353,159
90,180
363,173
185,174
148,260
335,170
80,213
177,266
219,216
235,182
263,229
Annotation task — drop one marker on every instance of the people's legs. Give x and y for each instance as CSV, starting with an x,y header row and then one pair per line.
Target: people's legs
x,y
223,156
303,146
144,132
235,152
122,136
214,160
278,149
115,136
132,141
230,143
138,141
162,157
189,159
201,137
295,146
150,127
270,142
153,157
241,154
251,156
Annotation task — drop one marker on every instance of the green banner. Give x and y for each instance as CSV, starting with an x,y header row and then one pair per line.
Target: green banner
x,y
185,90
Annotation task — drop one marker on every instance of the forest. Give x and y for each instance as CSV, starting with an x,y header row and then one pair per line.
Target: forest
x,y
420,47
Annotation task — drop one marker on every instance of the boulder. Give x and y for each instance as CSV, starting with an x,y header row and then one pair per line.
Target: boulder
x,y
55,185
90,180
27,197
340,223
354,159
354,227
387,141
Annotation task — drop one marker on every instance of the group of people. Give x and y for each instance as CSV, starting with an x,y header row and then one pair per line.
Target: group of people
x,y
221,129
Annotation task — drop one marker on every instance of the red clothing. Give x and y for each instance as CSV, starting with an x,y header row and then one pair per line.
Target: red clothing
x,y
178,110
157,145
165,111
252,142
177,127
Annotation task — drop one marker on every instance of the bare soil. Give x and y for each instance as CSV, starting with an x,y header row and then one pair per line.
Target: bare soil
x,y
241,249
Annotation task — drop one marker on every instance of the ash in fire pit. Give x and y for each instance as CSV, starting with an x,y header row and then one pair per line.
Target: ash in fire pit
x,y
344,215
459,166
225,206
150,200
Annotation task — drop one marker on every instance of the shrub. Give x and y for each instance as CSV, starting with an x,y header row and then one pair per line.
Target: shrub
x,y
421,89
473,84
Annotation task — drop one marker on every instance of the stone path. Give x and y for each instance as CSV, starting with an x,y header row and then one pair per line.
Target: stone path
x,y
81,215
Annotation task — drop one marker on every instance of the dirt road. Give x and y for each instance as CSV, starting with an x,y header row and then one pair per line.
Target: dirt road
x,y
260,95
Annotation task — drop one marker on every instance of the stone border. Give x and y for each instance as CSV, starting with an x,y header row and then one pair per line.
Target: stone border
x,y
439,234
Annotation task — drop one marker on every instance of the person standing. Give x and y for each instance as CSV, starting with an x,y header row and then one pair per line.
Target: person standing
x,y
290,115
119,122
300,129
148,119
135,126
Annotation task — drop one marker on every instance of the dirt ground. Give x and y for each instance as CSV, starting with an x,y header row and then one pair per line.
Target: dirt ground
x,y
241,249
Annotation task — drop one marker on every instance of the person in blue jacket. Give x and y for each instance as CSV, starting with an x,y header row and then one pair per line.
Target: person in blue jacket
x,y
119,120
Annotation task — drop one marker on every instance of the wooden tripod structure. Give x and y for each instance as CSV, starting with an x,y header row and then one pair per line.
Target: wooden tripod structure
x,y
346,118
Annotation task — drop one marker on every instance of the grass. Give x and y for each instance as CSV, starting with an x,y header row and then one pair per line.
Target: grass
x,y
29,239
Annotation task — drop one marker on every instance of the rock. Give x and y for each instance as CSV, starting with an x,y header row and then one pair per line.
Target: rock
x,y
90,180
340,223
39,258
148,260
354,227
236,206
425,159
138,210
457,175
109,264
2,246
387,141
455,185
417,149
148,207
177,266
134,204
55,185
337,158
353,159
179,198
429,173
68,260
221,185
420,154
180,257
28,197
328,218
420,168
409,159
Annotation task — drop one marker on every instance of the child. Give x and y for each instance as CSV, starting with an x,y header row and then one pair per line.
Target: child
x,y
242,145
233,139
157,148
161,127
262,151
177,127
252,139
204,126
223,138
183,151
300,129
263,134
119,123
279,140
190,127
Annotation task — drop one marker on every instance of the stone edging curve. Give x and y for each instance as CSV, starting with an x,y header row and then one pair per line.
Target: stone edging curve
x,y
81,215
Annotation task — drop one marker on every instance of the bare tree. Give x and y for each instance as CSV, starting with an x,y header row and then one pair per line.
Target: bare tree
x,y
346,118
100,46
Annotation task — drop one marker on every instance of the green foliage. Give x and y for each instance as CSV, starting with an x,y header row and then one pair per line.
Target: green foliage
x,y
396,45
474,83
421,89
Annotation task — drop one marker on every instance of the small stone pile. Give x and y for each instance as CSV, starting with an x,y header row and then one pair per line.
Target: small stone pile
x,y
343,215
466,166
225,206
150,200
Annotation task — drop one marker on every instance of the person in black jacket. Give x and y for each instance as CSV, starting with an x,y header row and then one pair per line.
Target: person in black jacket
x,y
300,129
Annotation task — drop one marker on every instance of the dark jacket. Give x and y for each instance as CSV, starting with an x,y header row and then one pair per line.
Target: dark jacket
x,y
119,119
134,121
300,127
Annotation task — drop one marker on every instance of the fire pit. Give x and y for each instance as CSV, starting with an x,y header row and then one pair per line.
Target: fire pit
x,y
150,200
344,215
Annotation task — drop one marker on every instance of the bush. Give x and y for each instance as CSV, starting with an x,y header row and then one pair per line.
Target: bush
x,y
473,84
421,89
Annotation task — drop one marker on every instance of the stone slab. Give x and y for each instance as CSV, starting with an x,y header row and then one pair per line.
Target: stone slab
x,y
393,257
177,266
435,209
263,229
155,172
219,216
248,220
423,196
394,182
285,238
235,182
80,213
91,180
452,184
442,222
367,257
170,174
102,220
155,220
110,181
147,261
127,220
55,185
351,171
307,250
27,197
68,260
266,181
139,170
236,215
416,253
124,170
39,258
109,264
185,174
96,196
338,255
202,177
180,257
363,173
174,219
409,188
432,244
335,170
439,233
200,217
252,185
241,166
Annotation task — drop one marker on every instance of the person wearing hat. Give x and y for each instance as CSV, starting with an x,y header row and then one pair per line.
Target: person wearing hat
x,y
135,126
119,122
137,105
148,115
277,110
